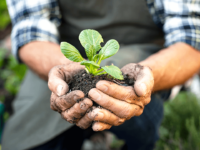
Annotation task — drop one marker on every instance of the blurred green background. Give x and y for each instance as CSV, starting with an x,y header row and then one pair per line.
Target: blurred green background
x,y
180,129
11,73
5,20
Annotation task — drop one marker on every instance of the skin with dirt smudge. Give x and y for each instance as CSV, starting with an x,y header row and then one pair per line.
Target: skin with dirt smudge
x,y
130,100
170,66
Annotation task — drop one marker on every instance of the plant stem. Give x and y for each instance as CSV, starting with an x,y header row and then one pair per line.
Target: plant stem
x,y
101,73
98,71
99,61
91,69
87,70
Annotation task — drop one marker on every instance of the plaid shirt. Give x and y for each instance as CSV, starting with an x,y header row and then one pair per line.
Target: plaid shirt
x,y
37,20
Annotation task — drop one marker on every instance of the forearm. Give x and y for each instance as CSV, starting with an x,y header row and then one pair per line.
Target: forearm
x,y
42,56
173,65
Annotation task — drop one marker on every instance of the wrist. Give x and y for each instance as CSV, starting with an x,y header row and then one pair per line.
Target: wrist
x,y
42,56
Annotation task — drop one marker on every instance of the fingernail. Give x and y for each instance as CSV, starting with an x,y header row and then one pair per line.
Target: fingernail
x,y
91,115
59,90
99,115
83,106
95,95
97,127
103,88
76,97
143,88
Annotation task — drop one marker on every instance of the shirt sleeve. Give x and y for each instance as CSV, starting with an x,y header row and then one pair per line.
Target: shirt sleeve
x,y
179,20
33,20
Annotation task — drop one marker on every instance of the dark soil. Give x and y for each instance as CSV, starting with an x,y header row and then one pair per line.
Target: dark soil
x,y
84,81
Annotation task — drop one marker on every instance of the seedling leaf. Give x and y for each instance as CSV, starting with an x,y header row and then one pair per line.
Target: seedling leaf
x,y
71,52
95,57
110,49
90,40
88,63
113,71
89,49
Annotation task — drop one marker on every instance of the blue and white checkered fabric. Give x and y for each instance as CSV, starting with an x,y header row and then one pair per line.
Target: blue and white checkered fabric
x,y
33,20
37,20
179,19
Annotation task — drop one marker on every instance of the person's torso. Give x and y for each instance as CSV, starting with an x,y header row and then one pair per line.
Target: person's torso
x,y
127,21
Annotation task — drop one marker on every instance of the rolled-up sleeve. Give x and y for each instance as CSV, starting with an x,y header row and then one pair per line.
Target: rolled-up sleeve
x,y
179,19
33,20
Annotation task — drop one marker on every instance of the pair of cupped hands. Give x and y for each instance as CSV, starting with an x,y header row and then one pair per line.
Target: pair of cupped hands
x,y
118,103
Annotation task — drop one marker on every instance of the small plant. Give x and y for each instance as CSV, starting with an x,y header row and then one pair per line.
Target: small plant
x,y
91,40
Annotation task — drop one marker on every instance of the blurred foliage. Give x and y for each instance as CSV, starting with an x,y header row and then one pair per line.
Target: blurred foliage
x,y
2,56
2,98
12,72
116,143
180,129
5,19
6,116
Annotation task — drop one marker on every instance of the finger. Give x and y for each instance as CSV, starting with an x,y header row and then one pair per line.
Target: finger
x,y
105,116
77,111
147,100
143,77
125,93
85,121
56,82
100,126
144,82
59,76
120,108
52,102
64,102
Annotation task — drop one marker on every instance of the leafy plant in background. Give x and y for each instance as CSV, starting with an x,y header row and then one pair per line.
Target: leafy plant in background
x,y
5,19
12,72
11,76
180,129
91,40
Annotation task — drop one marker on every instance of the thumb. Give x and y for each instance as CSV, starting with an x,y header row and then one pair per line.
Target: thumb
x,y
144,82
56,82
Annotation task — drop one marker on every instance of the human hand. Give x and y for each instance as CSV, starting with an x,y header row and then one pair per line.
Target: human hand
x,y
67,104
121,103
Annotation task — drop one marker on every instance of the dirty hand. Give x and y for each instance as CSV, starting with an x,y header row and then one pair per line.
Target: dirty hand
x,y
121,103
66,104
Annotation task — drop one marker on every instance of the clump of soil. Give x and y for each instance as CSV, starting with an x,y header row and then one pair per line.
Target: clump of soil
x,y
84,81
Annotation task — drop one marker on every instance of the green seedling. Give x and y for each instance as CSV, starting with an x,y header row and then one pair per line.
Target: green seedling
x,y
91,40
